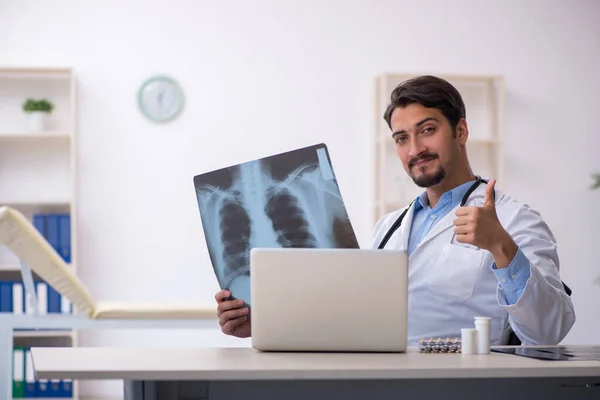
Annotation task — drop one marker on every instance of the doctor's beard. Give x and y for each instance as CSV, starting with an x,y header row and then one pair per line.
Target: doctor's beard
x,y
426,180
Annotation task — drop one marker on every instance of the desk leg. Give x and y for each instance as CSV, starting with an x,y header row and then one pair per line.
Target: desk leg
x,y
422,389
6,362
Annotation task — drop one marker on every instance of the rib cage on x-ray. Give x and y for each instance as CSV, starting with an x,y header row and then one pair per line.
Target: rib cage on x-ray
x,y
304,209
289,219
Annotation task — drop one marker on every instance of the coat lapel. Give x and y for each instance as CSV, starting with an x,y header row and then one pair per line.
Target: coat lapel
x,y
406,226
399,240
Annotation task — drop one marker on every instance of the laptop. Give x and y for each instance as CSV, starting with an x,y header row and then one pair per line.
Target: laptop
x,y
331,300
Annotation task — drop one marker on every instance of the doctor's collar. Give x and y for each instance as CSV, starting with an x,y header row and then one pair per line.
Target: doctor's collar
x,y
457,193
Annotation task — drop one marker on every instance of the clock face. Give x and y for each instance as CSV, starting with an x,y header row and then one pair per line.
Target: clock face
x,y
160,98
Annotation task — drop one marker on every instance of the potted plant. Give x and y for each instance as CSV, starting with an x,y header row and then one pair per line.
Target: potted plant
x,y
37,111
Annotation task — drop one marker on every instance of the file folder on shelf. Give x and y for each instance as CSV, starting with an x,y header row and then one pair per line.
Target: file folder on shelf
x,y
56,228
30,382
26,386
18,373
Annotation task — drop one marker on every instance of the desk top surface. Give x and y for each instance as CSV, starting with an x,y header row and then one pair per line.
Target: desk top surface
x,y
208,363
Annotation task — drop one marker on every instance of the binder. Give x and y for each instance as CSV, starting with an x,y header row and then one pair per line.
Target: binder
x,y
54,301
54,388
6,296
18,302
56,229
64,236
18,384
42,297
66,388
42,388
39,221
30,386
52,231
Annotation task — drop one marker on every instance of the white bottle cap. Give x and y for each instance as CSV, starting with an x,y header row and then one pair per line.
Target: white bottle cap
x,y
468,341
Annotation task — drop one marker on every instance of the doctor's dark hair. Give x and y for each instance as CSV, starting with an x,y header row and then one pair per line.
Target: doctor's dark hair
x,y
429,91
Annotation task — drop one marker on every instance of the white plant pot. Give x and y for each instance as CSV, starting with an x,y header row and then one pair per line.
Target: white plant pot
x,y
37,121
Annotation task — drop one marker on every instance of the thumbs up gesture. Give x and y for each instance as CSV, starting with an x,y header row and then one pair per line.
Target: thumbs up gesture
x,y
480,226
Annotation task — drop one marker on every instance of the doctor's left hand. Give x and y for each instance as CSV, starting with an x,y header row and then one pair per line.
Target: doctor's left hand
x,y
480,226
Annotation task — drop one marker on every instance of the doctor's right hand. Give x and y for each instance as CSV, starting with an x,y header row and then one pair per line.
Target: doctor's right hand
x,y
234,318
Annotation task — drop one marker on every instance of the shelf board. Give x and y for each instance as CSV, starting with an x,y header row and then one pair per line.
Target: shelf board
x,y
13,136
13,273
35,73
42,333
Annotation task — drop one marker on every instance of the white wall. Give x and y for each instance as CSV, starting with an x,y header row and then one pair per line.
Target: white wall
x,y
266,76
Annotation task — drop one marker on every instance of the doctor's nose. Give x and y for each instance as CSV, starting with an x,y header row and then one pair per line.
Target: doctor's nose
x,y
416,148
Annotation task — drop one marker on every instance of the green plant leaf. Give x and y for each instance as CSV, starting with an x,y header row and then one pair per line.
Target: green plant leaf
x,y
31,105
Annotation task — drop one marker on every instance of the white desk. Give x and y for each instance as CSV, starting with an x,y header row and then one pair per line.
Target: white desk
x,y
230,373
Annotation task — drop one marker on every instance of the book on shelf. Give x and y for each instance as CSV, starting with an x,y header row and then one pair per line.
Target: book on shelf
x,y
56,229
26,386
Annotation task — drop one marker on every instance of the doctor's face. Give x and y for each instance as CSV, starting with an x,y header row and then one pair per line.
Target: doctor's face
x,y
426,143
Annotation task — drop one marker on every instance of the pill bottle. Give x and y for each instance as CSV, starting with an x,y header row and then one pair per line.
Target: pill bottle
x,y
482,325
468,341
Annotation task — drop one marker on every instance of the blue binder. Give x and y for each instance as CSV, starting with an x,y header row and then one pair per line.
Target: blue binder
x,y
42,388
66,388
52,231
39,222
64,236
54,301
56,229
6,296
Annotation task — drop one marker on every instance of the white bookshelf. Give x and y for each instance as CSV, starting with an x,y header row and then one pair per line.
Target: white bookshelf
x,y
38,168
484,101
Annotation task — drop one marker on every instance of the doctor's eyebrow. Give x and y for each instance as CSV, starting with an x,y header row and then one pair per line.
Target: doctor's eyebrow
x,y
421,122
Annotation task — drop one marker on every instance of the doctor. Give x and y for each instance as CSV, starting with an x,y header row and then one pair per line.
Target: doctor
x,y
473,250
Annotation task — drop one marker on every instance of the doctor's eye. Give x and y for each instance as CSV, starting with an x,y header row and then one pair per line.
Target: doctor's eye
x,y
400,139
429,129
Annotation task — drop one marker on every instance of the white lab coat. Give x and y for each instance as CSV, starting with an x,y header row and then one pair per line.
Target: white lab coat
x,y
450,283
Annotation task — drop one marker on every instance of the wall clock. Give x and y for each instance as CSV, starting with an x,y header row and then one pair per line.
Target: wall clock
x,y
160,98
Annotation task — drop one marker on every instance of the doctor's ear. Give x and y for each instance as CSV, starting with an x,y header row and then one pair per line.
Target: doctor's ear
x,y
462,131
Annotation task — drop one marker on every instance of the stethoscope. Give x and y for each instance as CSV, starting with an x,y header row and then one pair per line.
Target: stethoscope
x,y
398,221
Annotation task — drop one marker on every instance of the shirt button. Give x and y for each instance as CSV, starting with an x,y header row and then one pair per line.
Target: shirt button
x,y
514,276
503,280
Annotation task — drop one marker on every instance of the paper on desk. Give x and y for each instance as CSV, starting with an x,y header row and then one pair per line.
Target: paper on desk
x,y
290,199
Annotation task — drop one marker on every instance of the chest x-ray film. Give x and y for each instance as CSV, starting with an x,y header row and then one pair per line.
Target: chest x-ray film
x,y
290,199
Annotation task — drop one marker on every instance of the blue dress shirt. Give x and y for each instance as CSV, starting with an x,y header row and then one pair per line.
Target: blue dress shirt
x,y
512,279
